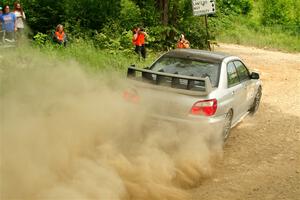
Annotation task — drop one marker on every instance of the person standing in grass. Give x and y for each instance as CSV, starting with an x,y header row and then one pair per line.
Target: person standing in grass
x,y
1,33
0,17
60,36
20,15
139,38
8,21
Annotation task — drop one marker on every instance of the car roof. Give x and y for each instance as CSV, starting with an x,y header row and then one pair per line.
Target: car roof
x,y
196,54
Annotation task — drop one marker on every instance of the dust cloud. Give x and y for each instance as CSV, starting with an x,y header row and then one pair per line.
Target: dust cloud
x,y
69,134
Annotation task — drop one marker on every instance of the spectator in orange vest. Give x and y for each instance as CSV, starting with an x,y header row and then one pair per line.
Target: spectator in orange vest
x,y
183,43
139,42
60,36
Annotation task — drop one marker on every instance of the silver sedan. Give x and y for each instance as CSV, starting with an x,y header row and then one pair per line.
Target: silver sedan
x,y
198,87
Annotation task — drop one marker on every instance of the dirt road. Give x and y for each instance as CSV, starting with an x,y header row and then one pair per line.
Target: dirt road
x,y
262,156
66,134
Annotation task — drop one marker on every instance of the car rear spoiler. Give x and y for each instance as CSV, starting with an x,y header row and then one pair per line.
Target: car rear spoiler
x,y
172,80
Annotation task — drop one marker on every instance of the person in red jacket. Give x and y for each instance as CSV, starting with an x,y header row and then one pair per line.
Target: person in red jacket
x,y
139,42
60,35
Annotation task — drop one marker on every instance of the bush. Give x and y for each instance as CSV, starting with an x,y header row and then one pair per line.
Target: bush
x,y
235,6
276,12
41,39
130,15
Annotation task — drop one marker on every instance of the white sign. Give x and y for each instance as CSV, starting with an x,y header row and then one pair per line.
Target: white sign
x,y
203,7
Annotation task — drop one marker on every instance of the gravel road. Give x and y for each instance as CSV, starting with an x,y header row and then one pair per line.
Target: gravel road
x,y
262,156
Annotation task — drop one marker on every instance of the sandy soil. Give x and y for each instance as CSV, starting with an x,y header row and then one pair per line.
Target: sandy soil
x,y
262,156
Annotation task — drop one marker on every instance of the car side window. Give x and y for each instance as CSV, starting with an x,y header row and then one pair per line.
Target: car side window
x,y
242,71
232,75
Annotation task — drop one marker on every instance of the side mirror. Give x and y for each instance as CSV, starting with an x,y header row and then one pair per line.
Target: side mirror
x,y
254,75
147,68
132,65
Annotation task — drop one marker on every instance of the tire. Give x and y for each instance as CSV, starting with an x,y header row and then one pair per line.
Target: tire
x,y
227,125
256,102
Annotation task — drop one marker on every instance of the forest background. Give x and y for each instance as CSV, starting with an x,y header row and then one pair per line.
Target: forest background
x,y
107,24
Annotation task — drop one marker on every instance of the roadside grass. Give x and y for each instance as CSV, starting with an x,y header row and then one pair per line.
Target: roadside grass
x,y
93,59
246,30
265,37
109,66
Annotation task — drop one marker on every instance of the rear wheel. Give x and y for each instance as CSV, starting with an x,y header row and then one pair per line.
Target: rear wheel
x,y
227,124
256,102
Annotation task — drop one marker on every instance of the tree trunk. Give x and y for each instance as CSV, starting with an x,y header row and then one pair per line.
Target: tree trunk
x,y
174,16
165,18
163,6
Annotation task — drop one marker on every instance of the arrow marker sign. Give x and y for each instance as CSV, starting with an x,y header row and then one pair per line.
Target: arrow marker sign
x,y
203,7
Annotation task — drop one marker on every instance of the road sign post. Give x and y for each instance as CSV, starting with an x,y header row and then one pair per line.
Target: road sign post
x,y
207,33
204,7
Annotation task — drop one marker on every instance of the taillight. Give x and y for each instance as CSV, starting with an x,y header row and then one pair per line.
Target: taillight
x,y
205,107
131,96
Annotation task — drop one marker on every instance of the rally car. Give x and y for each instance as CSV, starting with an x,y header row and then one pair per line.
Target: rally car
x,y
197,87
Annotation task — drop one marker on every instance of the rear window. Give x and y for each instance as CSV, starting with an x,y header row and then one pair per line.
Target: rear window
x,y
188,67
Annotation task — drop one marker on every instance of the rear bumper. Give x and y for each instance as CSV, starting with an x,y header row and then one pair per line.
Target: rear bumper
x,y
199,122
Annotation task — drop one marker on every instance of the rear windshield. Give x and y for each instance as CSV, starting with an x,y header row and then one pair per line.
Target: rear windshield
x,y
188,67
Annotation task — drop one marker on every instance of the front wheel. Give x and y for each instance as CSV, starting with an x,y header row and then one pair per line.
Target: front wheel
x,y
227,124
256,102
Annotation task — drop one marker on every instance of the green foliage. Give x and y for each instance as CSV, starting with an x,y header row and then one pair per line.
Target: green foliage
x,y
281,12
130,14
84,52
150,15
105,42
126,40
235,6
158,37
91,14
43,16
109,36
108,23
248,32
195,31
269,24
41,38
274,12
